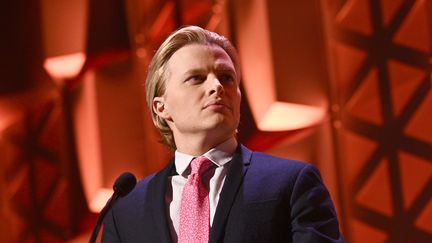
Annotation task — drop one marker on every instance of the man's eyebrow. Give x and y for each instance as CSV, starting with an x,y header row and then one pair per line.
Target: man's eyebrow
x,y
219,68
227,70
225,67
193,71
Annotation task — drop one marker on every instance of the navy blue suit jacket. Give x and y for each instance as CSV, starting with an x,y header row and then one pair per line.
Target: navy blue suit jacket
x,y
264,199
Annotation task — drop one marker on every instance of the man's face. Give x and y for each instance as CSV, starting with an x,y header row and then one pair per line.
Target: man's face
x,y
202,93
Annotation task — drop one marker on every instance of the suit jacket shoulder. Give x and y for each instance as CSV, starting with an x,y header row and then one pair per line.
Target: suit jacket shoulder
x,y
270,176
282,200
141,214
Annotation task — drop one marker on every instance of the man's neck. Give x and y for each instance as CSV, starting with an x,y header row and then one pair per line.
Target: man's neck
x,y
197,147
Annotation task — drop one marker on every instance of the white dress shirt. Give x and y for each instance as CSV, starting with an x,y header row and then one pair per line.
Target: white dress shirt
x,y
214,178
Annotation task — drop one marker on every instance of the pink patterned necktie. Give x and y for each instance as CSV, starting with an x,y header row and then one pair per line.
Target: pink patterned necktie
x,y
194,223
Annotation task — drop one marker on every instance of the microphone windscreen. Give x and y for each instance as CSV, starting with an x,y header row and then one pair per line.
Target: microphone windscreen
x,y
124,184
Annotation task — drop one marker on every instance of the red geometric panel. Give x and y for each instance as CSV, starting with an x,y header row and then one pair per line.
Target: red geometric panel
x,y
389,8
197,11
33,168
57,204
47,236
404,80
349,60
358,20
415,174
362,232
357,149
11,152
49,137
424,221
365,103
16,226
415,30
385,97
375,193
20,193
46,178
419,125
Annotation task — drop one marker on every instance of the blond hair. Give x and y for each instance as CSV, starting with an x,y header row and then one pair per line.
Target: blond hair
x,y
157,72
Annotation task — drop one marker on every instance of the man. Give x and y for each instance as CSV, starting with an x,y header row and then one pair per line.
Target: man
x,y
240,196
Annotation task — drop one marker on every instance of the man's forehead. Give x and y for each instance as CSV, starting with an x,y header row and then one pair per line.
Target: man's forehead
x,y
194,58
200,55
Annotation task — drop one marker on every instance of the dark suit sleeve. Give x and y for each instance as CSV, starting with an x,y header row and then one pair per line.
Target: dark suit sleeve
x,y
109,234
313,217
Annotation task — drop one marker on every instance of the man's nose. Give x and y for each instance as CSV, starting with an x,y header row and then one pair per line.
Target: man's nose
x,y
216,86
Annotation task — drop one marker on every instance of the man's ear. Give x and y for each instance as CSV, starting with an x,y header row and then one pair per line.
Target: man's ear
x,y
160,108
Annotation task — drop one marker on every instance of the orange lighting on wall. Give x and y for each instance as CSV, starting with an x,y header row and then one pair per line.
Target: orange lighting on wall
x,y
283,116
271,112
99,199
65,66
6,117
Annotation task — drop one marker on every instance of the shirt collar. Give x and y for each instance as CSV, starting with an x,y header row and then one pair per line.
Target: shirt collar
x,y
219,155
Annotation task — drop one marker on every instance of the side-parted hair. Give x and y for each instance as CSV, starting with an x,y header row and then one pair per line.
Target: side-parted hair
x,y
157,73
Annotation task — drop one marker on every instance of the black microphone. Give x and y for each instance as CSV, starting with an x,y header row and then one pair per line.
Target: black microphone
x,y
122,186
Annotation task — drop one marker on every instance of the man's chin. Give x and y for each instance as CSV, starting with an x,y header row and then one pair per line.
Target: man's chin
x,y
221,128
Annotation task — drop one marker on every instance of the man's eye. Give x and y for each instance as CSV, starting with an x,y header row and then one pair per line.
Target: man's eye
x,y
226,78
196,78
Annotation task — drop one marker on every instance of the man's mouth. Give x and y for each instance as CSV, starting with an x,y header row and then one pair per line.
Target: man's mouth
x,y
217,105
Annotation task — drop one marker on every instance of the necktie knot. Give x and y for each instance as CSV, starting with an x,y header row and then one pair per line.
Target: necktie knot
x,y
200,165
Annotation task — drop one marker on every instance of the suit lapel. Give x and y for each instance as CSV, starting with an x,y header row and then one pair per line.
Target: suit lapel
x,y
237,170
157,188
